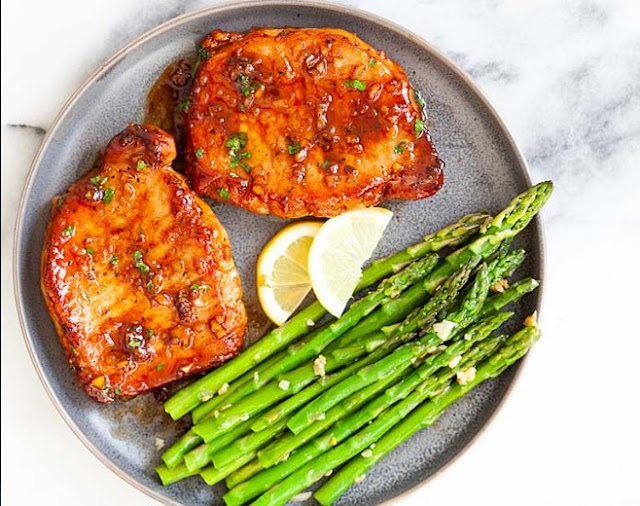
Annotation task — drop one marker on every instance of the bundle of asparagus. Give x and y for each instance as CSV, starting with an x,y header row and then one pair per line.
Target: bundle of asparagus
x,y
300,402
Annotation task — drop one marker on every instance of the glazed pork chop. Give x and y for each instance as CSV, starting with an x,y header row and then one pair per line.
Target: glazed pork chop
x,y
298,122
137,273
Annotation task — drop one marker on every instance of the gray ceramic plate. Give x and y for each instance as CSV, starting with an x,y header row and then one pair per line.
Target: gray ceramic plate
x,y
484,170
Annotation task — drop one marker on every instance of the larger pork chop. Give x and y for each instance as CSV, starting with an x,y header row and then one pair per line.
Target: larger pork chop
x,y
298,122
137,273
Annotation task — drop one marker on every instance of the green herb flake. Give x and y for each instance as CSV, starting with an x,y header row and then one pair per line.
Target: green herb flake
x,y
98,180
141,165
233,174
118,391
196,287
199,153
69,231
159,367
151,333
114,260
372,63
149,285
419,127
135,342
356,84
60,201
140,265
326,164
185,104
400,148
74,350
224,193
294,148
420,99
109,193
235,144
137,254
202,53
90,251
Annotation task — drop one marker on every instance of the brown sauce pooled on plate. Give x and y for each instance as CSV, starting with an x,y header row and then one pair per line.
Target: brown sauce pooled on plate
x,y
166,100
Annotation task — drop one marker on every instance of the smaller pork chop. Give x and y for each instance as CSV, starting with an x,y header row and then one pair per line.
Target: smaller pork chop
x,y
137,273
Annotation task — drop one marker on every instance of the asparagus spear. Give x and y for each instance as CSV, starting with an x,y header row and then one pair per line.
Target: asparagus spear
x,y
243,474
201,456
190,397
400,359
513,349
169,476
387,290
516,216
401,392
421,318
212,475
512,294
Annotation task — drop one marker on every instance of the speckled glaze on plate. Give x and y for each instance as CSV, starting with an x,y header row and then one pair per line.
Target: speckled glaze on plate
x,y
484,170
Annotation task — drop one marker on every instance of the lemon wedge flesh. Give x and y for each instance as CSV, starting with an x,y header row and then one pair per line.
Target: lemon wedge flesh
x,y
339,250
282,276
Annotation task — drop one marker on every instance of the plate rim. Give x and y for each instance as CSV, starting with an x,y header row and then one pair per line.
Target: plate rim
x,y
226,5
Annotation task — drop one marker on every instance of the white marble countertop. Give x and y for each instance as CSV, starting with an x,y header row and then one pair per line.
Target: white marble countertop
x,y
565,75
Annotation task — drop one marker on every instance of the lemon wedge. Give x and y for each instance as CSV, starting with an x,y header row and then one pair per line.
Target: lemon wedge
x,y
282,277
340,248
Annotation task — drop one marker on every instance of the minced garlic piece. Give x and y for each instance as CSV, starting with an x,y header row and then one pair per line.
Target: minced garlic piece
x,y
366,454
360,478
244,417
333,441
302,497
159,443
310,323
443,329
318,365
500,286
223,389
256,376
531,320
454,361
464,377
284,385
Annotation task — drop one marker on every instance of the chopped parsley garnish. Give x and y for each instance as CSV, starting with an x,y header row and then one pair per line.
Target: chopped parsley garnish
x,y
202,53
118,391
142,267
294,148
108,195
235,144
356,84
69,231
400,148
199,153
185,104
233,174
141,165
135,342
90,251
159,367
372,63
325,164
224,193
74,350
195,287
60,201
114,260
151,332
419,99
246,85
98,180
149,285
419,127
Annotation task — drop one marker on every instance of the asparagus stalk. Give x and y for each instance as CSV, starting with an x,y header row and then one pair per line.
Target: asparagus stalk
x,y
212,475
515,217
387,290
191,396
169,476
512,294
201,456
243,474
400,359
513,349
401,392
